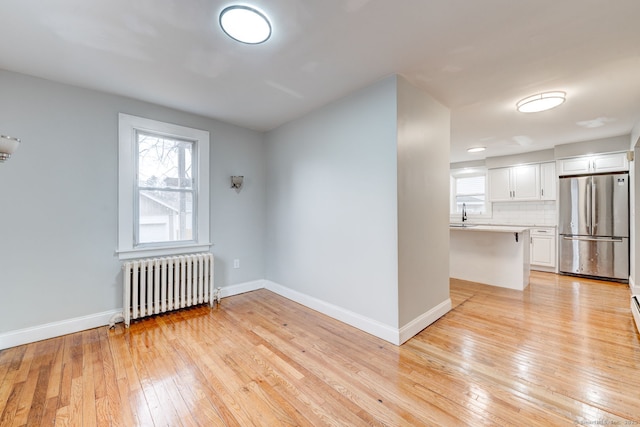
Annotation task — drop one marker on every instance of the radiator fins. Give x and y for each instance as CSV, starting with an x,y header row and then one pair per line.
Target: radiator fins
x,y
158,285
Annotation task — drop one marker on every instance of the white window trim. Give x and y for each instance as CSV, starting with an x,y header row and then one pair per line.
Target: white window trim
x,y
458,173
127,126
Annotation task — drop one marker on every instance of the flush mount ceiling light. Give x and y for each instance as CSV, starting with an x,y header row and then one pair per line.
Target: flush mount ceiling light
x,y
475,149
541,102
245,24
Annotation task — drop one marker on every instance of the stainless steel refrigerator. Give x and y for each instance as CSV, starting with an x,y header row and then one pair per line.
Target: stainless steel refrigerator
x,y
593,226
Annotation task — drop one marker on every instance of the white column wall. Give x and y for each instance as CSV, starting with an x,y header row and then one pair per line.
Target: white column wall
x,y
423,203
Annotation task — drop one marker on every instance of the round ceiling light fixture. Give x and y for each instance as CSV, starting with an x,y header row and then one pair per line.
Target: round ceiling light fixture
x,y
541,102
476,149
245,24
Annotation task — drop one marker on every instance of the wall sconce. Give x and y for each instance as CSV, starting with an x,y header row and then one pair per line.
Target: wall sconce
x,y
8,145
236,182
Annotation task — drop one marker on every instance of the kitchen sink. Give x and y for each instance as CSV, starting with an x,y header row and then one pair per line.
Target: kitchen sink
x,y
458,225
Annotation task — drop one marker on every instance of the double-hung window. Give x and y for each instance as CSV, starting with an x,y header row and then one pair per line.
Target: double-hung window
x,y
469,187
163,188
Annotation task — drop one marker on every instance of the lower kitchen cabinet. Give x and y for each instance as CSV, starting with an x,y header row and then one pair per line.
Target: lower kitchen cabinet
x,y
543,248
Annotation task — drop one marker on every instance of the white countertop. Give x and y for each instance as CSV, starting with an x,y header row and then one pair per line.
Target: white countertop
x,y
492,228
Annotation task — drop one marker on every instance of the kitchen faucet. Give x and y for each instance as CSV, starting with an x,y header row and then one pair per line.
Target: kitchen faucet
x,y
464,212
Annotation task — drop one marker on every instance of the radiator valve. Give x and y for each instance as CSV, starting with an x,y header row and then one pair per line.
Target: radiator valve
x,y
118,317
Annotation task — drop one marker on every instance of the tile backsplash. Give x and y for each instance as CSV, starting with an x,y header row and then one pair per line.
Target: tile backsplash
x,y
524,213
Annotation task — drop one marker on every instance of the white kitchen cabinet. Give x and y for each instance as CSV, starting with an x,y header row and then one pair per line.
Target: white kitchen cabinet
x,y
500,184
577,166
543,247
548,181
516,183
614,162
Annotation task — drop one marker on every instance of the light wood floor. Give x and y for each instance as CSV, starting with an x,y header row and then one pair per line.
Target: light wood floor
x,y
563,352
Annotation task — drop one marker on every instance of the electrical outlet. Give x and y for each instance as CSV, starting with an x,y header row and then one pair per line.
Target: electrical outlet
x,y
236,263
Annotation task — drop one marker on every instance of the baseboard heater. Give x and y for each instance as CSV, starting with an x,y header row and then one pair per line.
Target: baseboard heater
x,y
157,285
635,309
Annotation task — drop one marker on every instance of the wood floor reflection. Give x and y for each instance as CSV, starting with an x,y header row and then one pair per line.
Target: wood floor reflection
x,y
563,352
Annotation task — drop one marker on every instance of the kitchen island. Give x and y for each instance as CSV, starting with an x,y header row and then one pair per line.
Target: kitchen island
x,y
490,254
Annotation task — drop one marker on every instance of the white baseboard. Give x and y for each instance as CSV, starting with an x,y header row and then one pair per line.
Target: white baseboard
x,y
393,335
632,286
55,329
356,320
373,327
419,323
635,311
241,288
77,324
545,269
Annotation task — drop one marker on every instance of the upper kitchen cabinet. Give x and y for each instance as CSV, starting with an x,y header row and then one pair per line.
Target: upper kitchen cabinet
x,y
516,183
615,162
500,184
548,181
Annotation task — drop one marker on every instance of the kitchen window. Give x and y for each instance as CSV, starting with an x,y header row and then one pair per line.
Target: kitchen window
x,y
469,187
163,188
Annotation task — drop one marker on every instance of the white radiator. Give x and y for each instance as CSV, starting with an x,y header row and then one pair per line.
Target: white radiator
x,y
158,285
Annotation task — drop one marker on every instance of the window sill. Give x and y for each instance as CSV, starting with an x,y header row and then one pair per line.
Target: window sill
x,y
162,251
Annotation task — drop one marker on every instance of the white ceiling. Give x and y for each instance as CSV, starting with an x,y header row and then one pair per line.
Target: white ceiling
x,y
478,57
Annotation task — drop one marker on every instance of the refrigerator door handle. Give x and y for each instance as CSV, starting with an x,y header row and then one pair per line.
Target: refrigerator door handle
x,y
594,239
594,213
589,206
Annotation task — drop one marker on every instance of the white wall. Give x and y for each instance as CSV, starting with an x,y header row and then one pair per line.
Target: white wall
x,y
237,219
332,204
423,203
604,145
58,209
541,156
